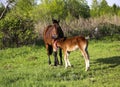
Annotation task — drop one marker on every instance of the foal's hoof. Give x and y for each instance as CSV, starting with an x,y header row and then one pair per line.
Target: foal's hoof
x,y
60,64
50,65
87,69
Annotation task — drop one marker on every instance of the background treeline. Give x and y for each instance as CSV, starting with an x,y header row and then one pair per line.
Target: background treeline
x,y
22,21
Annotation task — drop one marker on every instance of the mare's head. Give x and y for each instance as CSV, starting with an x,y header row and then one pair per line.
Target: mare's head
x,y
56,29
54,21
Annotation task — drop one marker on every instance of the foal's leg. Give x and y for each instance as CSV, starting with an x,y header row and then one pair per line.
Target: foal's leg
x,y
65,59
67,62
60,54
86,57
85,54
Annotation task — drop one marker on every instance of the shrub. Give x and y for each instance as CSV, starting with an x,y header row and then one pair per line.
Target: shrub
x,y
16,31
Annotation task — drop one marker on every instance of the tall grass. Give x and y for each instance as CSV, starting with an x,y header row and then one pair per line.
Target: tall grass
x,y
85,26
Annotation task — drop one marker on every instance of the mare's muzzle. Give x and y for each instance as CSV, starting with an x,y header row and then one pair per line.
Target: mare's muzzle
x,y
54,36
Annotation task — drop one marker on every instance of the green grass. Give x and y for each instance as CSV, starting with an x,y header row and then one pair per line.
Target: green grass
x,y
28,67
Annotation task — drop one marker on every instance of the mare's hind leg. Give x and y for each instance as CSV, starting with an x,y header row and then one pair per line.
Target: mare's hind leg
x,y
60,54
48,53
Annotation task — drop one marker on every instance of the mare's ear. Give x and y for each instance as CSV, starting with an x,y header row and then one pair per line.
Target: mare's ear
x,y
58,20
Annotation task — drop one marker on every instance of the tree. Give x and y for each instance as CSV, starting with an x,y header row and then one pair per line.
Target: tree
x,y
115,9
78,8
104,8
23,7
7,7
1,8
94,8
61,9
17,27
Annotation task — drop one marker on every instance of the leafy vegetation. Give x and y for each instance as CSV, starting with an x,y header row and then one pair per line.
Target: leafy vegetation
x,y
27,66
23,21
16,31
102,8
20,19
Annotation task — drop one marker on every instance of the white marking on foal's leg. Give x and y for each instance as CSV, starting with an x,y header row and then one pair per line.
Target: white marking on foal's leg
x,y
87,62
65,59
68,62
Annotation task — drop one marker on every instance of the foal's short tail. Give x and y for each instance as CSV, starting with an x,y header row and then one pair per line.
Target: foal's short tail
x,y
87,37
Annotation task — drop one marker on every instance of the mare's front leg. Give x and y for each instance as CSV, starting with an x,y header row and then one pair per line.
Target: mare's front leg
x,y
60,54
56,62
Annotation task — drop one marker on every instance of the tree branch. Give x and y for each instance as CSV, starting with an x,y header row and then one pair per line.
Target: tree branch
x,y
3,13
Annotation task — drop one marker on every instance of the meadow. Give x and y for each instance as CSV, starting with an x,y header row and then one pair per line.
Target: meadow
x,y
27,66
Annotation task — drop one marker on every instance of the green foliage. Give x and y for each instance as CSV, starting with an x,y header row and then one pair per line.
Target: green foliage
x,y
61,9
94,8
23,8
16,31
17,28
102,8
48,9
78,8
116,9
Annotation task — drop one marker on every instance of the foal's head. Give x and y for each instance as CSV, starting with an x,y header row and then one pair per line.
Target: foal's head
x,y
58,42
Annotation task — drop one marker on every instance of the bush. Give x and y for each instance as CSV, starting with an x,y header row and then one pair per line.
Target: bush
x,y
16,31
107,29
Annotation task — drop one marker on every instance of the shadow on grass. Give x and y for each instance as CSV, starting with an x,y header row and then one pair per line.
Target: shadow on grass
x,y
113,61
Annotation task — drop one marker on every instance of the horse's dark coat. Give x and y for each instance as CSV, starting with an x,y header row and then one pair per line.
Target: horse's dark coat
x,y
51,33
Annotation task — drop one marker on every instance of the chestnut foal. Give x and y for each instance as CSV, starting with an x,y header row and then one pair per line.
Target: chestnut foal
x,y
71,44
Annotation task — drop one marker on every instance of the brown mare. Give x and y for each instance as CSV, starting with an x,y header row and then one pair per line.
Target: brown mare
x,y
71,44
51,33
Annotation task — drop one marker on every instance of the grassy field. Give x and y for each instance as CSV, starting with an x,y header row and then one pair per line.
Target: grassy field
x,y
28,67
